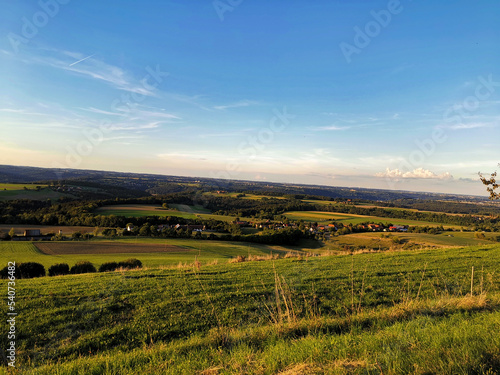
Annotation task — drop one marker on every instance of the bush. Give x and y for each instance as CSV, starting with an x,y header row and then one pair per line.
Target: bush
x,y
130,263
109,266
31,269
26,270
59,269
83,267
396,240
238,259
4,273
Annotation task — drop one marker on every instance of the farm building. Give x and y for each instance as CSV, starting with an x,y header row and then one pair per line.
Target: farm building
x,y
195,228
32,232
398,228
32,235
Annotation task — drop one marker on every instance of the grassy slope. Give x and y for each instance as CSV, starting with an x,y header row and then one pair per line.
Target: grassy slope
x,y
31,194
66,230
204,251
325,217
374,240
182,210
410,315
19,186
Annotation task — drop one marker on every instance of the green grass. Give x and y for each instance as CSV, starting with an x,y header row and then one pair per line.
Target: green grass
x,y
16,191
139,210
204,251
391,313
196,209
326,217
180,210
374,240
20,186
247,196
326,203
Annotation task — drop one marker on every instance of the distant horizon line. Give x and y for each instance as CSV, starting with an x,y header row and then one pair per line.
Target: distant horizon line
x,y
253,181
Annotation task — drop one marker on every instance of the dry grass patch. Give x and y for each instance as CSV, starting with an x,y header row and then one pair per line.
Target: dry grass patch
x,y
302,369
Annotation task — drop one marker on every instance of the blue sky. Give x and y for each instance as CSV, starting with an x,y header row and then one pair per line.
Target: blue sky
x,y
382,94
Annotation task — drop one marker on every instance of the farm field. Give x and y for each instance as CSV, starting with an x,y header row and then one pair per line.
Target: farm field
x,y
324,217
182,210
139,210
375,241
151,252
390,313
370,205
66,230
17,191
316,201
247,196
20,186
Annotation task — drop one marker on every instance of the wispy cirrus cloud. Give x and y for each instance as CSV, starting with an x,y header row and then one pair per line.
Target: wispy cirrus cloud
x,y
474,125
12,110
101,111
137,112
91,67
332,128
21,111
241,103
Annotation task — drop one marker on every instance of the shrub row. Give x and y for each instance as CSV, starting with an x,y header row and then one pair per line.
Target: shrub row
x,y
24,271
32,269
126,264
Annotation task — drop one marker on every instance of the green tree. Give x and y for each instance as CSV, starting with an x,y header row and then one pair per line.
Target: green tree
x,y
144,231
235,230
76,235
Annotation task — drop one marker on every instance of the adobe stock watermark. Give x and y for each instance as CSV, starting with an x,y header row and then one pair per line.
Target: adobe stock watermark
x,y
223,6
363,36
31,25
250,148
11,314
483,91
92,138
257,143
425,149
454,118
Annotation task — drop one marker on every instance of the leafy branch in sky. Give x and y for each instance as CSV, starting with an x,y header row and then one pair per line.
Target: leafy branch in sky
x,y
492,184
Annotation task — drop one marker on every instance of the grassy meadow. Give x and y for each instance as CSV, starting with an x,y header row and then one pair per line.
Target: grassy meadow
x,y
246,196
152,252
66,230
27,191
322,217
177,210
385,241
372,313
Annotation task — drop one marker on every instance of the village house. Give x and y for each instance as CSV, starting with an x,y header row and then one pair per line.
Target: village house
x,y
375,227
241,223
398,228
192,227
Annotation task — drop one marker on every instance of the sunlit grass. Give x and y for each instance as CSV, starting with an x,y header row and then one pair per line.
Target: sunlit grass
x,y
396,313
